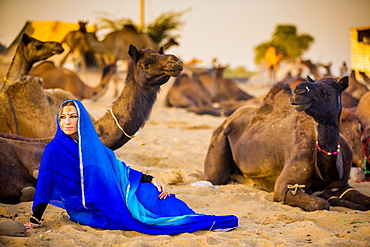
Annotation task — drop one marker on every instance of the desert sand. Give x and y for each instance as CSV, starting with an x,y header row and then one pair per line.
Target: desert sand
x,y
176,142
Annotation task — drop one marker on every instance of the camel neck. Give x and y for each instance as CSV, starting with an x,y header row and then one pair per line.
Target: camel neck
x,y
19,65
329,165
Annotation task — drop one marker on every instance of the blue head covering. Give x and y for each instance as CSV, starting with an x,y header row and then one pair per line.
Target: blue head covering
x,y
86,179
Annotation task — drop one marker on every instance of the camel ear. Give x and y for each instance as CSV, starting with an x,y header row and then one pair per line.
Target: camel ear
x,y
133,52
26,39
161,50
309,79
343,84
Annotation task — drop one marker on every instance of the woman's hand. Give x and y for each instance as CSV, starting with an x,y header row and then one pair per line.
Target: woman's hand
x,y
161,188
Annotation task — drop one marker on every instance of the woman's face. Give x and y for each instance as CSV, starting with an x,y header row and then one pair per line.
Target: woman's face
x,y
68,119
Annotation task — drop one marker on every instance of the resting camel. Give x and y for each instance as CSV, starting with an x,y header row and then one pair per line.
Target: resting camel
x,y
186,92
363,113
275,146
197,93
57,77
147,72
28,52
365,78
356,89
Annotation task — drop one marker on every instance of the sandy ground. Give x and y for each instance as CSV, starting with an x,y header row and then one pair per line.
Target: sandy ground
x,y
176,145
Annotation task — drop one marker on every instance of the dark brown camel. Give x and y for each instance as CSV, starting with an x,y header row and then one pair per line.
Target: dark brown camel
x,y
199,92
274,146
186,92
57,77
147,72
28,52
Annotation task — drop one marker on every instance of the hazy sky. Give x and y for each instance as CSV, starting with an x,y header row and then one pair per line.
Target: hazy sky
x,y
224,29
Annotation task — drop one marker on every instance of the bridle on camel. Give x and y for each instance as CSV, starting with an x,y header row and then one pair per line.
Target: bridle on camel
x,y
367,158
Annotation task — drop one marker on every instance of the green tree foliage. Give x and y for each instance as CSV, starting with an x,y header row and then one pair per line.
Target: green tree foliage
x,y
167,22
159,30
285,40
108,22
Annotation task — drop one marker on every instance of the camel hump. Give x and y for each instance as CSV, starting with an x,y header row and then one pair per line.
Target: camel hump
x,y
277,88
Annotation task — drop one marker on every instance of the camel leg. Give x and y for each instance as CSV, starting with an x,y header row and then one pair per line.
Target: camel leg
x,y
354,196
219,160
304,201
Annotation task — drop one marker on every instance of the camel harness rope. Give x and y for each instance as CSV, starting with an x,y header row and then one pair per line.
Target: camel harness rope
x,y
345,192
124,132
294,188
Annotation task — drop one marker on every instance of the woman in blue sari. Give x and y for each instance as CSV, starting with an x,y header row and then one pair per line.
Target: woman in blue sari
x,y
81,175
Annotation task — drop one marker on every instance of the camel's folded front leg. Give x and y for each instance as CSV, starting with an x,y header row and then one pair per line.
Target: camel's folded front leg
x,y
218,161
354,196
295,196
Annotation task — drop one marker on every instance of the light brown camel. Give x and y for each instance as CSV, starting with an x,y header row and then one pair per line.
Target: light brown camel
x,y
28,52
116,43
356,89
275,146
80,49
57,77
365,78
327,68
363,113
29,110
272,60
313,69
147,72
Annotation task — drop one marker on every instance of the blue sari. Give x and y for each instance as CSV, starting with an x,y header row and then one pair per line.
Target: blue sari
x,y
96,189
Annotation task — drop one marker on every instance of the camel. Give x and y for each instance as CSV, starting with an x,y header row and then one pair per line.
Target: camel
x,y
272,59
57,77
356,89
362,112
28,52
116,43
186,92
365,78
197,93
147,72
274,145
80,48
313,69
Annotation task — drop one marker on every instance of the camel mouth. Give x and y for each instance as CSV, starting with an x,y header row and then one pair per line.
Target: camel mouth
x,y
301,106
173,72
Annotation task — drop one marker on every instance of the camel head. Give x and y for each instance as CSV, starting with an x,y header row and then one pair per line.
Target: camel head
x,y
36,50
82,26
321,100
153,68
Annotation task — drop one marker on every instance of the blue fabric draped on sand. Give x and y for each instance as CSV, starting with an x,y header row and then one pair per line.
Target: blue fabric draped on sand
x,y
96,189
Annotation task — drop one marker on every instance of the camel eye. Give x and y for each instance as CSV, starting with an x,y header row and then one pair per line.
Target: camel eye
x,y
39,47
